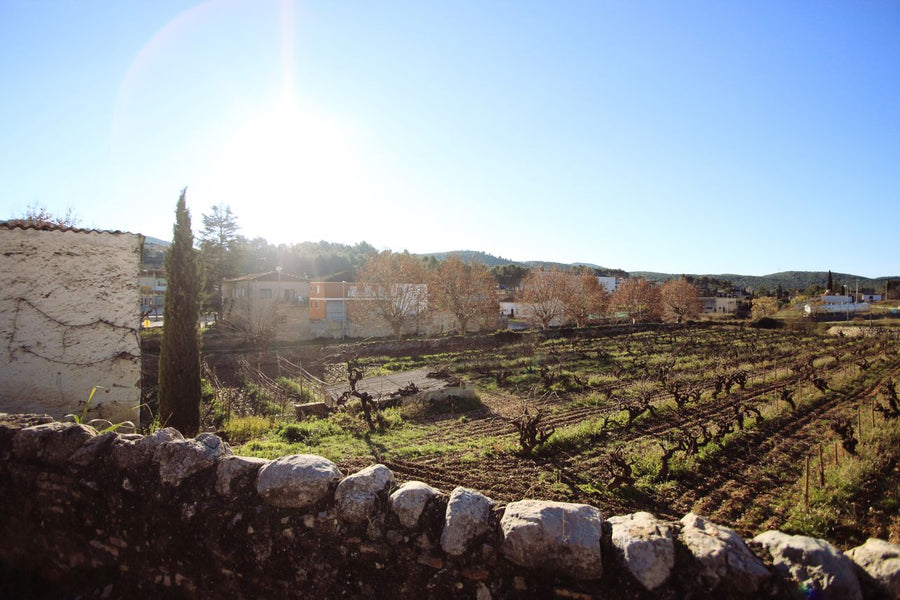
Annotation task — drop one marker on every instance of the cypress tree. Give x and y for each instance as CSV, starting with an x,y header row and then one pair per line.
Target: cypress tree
x,y
829,284
179,357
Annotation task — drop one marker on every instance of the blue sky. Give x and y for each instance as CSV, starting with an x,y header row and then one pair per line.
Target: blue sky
x,y
695,137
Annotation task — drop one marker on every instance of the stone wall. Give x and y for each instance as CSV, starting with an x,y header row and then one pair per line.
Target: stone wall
x,y
69,320
127,516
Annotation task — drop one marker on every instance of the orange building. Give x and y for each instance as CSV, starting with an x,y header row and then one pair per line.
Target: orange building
x,y
328,300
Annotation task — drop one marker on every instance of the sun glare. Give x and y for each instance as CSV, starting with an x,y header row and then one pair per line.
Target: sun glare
x,y
289,160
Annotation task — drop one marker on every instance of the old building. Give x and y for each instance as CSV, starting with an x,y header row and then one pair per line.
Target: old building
x,y
719,304
69,322
273,305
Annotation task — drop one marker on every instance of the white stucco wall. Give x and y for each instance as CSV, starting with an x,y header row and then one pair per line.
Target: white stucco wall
x,y
69,318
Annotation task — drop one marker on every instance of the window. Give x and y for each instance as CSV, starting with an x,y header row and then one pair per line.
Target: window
x,y
288,295
265,293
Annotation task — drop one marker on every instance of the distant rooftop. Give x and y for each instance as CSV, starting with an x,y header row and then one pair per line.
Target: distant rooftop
x,y
268,276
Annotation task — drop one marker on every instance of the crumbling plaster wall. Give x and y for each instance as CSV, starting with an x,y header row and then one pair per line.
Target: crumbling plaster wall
x,y
69,320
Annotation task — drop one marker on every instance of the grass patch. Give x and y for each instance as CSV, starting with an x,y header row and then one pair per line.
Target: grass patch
x,y
575,437
242,429
847,496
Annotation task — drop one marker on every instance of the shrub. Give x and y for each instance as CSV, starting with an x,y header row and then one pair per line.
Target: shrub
x,y
294,433
350,422
453,404
207,391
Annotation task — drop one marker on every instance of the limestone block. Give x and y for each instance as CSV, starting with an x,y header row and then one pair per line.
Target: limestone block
x,y
131,455
813,563
468,516
356,497
409,501
646,546
93,449
231,469
179,459
51,443
559,536
722,554
311,409
297,480
881,560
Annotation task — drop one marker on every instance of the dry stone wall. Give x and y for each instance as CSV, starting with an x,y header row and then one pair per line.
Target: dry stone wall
x,y
105,515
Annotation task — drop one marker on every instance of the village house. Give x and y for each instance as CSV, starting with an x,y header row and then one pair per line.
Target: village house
x,y
719,304
608,283
152,283
835,304
272,305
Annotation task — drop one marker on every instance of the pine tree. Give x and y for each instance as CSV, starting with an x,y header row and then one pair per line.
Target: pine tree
x,y
179,358
219,244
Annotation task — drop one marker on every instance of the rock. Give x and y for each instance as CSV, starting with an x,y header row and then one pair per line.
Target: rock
x,y
166,434
179,459
51,443
232,469
722,554
356,497
813,563
409,501
297,480
318,410
482,592
468,516
131,455
646,546
558,536
881,560
93,449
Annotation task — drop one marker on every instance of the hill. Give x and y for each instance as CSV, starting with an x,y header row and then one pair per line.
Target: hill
x,y
152,241
470,256
490,261
789,280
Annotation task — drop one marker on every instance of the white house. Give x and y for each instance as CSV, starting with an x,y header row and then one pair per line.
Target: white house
x,y
608,283
835,304
718,305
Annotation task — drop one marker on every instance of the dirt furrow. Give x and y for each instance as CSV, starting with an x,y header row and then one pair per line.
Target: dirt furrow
x,y
729,489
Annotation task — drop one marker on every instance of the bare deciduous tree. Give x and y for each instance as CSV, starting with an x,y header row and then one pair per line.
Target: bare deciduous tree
x,y
391,290
680,300
544,293
583,297
638,298
467,291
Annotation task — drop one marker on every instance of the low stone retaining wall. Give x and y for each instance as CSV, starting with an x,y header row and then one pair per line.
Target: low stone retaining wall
x,y
130,516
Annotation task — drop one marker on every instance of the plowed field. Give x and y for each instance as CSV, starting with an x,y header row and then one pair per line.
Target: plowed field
x,y
720,420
